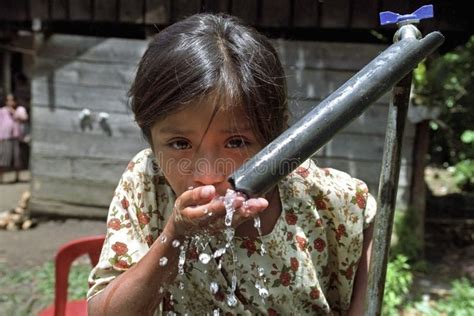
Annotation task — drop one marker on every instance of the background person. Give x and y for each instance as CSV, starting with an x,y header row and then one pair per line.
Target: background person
x,y
12,118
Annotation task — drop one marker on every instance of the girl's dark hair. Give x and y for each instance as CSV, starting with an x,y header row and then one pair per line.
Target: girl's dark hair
x,y
204,55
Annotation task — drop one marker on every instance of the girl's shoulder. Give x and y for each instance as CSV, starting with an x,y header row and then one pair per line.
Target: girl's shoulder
x,y
308,174
327,187
143,162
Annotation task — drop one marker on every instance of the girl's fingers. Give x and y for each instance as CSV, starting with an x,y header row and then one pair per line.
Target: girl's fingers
x,y
250,209
202,209
196,196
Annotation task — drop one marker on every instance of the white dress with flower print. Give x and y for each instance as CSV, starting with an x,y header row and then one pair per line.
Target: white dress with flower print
x,y
311,255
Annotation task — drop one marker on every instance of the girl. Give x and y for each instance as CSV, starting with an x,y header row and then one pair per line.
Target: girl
x,y
209,94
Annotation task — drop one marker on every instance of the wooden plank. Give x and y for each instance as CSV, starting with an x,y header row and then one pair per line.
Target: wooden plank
x,y
59,9
72,191
85,73
401,7
121,125
334,14
306,13
106,171
157,11
39,9
131,11
365,14
88,48
316,85
105,10
247,10
368,171
373,121
80,10
275,13
181,9
56,95
13,10
217,6
362,147
83,145
39,207
326,55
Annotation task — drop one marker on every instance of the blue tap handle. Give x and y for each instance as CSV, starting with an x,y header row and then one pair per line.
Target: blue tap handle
x,y
424,12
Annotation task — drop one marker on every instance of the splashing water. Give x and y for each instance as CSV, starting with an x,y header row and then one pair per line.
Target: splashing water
x,y
214,287
201,241
163,261
204,258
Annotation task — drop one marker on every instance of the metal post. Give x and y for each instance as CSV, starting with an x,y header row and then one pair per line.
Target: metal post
x,y
388,183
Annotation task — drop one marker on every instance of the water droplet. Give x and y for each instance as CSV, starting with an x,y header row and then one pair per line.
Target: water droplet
x,y
206,211
262,250
234,282
229,234
175,243
231,300
214,287
163,238
161,290
209,214
163,261
181,285
204,258
219,252
216,312
182,258
263,292
261,271
256,222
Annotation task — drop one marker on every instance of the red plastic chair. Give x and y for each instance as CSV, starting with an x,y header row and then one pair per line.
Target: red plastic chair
x,y
65,256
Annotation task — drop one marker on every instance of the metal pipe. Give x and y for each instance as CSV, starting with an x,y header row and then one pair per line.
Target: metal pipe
x,y
388,183
315,129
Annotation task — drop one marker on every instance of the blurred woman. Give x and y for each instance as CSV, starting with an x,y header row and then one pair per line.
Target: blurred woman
x,y
12,116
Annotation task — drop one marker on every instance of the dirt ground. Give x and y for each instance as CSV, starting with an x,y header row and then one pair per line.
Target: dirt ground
x,y
26,248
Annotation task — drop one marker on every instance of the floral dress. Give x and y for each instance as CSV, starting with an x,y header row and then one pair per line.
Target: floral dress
x,y
307,263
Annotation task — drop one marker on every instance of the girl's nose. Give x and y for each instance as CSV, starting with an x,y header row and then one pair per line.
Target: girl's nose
x,y
207,171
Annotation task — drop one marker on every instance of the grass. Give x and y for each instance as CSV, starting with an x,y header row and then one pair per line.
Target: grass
x,y
27,292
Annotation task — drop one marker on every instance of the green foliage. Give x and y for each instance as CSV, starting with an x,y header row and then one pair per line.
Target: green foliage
x,y
461,300
447,82
408,243
464,174
26,292
397,285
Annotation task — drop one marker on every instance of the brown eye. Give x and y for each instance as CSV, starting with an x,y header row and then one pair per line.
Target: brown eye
x,y
180,144
237,142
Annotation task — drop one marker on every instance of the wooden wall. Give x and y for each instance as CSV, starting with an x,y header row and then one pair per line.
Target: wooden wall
x,y
75,171
345,14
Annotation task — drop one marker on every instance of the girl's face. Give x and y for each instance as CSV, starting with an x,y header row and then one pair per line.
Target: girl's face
x,y
194,148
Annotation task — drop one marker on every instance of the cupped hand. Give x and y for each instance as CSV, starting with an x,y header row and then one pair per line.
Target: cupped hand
x,y
202,210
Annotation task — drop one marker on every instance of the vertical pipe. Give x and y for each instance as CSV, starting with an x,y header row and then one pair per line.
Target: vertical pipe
x,y
388,183
387,194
